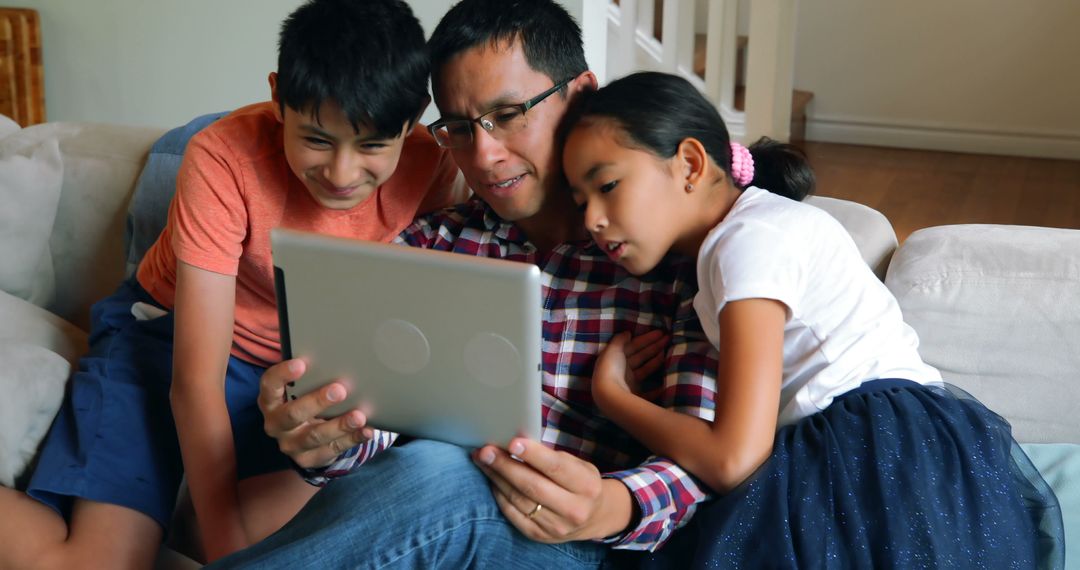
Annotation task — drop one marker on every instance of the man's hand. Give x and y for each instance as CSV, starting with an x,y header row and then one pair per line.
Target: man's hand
x,y
625,363
308,440
575,503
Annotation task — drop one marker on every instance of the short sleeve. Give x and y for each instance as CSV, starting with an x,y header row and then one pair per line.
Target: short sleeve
x,y
752,260
209,217
447,186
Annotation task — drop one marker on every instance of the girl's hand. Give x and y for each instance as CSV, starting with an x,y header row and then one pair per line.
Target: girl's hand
x,y
625,362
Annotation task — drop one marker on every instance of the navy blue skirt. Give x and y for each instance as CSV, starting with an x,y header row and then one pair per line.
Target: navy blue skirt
x,y
891,475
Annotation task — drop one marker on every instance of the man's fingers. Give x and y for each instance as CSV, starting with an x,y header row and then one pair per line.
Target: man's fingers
x,y
532,527
520,488
568,472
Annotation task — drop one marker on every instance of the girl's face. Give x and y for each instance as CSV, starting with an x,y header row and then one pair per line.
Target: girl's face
x,y
630,197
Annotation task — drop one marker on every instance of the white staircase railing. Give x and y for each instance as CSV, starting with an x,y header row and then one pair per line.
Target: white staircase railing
x,y
633,46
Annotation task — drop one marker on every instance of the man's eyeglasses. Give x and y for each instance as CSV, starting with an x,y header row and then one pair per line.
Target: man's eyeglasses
x,y
499,122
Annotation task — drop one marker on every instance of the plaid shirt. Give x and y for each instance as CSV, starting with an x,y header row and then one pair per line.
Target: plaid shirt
x,y
587,299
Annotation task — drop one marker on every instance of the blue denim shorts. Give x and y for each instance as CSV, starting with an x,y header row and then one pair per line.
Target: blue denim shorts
x,y
114,440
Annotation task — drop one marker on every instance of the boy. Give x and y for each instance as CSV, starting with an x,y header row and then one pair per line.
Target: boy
x,y
322,156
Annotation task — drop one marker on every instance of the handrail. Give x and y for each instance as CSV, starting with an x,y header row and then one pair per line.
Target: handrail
x,y
769,59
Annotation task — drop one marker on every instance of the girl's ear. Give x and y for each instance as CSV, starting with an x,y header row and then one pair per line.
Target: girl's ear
x,y
693,163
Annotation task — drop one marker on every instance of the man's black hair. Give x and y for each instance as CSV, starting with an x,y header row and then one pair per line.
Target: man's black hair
x,y
548,35
368,56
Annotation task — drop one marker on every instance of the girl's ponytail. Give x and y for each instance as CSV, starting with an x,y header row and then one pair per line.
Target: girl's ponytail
x,y
781,169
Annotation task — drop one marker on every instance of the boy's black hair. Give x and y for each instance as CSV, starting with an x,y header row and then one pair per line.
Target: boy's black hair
x,y
656,111
368,56
548,35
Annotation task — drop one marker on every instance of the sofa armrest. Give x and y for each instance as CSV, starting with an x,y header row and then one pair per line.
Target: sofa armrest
x,y
995,308
871,230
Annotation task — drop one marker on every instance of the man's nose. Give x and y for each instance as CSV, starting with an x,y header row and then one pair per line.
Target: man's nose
x,y
487,151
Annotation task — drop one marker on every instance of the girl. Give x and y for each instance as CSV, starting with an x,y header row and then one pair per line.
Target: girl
x,y
834,444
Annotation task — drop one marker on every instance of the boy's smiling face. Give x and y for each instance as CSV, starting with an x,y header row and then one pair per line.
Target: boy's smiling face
x,y
340,166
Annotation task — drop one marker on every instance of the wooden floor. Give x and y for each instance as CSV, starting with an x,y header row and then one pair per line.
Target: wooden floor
x,y
917,189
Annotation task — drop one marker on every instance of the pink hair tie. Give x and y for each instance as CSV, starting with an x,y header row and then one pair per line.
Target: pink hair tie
x,y
742,165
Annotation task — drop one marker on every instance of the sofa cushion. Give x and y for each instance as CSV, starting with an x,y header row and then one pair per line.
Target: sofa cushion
x,y
149,209
101,163
1059,464
996,311
30,182
21,321
38,350
8,126
32,380
871,230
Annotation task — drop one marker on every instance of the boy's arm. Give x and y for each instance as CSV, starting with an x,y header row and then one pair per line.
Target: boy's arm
x,y
203,337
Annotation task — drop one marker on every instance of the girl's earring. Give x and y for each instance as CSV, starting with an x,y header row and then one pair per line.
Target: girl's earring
x,y
689,187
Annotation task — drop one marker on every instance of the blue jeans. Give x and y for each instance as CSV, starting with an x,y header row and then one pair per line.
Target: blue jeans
x,y
420,505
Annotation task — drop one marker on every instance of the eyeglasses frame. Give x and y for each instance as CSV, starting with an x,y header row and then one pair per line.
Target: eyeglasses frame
x,y
489,125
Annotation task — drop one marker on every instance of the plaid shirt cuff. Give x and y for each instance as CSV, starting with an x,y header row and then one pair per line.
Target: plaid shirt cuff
x,y
667,497
350,460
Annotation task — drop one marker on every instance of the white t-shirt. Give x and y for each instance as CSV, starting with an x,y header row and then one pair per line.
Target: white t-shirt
x,y
843,327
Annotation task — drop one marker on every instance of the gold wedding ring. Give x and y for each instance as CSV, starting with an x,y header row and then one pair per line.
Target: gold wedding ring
x,y
536,510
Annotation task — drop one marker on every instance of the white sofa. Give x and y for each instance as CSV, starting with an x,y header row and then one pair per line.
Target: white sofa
x,y
997,307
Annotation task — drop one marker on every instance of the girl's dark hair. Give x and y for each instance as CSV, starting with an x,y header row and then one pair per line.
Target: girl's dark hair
x,y
548,35
369,56
657,111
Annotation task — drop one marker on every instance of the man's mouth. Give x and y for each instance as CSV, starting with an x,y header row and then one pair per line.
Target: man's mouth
x,y
505,187
506,183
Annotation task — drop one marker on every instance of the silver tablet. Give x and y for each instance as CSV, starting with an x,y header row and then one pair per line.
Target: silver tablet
x,y
430,344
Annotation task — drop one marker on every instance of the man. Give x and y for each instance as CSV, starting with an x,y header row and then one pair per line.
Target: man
x,y
504,74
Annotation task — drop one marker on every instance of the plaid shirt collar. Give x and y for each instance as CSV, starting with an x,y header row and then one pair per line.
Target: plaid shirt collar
x,y
509,232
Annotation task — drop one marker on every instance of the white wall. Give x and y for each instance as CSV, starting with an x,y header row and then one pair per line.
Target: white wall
x,y
992,76
976,75
160,62
155,62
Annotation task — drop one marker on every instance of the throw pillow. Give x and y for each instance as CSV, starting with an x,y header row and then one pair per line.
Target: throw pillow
x,y
8,126
154,190
32,381
30,182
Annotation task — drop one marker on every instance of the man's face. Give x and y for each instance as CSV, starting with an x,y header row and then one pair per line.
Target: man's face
x,y
515,173
340,167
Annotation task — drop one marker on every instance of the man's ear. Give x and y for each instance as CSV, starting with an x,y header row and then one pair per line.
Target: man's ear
x,y
416,119
693,163
272,79
585,82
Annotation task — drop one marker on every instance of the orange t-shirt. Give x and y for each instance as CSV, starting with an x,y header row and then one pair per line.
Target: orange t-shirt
x,y
234,186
